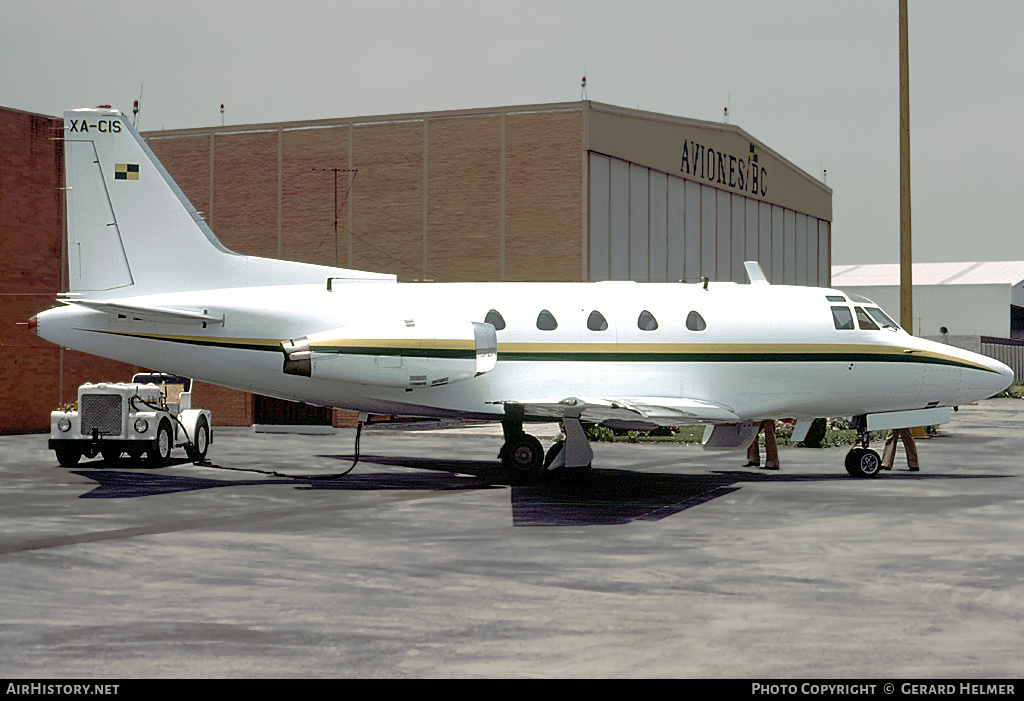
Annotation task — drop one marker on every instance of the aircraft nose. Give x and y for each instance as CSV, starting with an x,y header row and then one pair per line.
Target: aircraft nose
x,y
994,382
1005,373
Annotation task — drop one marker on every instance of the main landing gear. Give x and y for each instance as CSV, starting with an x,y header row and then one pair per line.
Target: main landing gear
x,y
523,456
861,461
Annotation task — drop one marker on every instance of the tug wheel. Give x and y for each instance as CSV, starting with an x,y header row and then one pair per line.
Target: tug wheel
x,y
159,453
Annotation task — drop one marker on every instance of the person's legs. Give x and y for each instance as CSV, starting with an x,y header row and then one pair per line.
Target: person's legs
x,y
911,448
889,453
754,452
771,448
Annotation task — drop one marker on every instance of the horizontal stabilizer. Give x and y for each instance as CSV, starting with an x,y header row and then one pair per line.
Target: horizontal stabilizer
x,y
164,315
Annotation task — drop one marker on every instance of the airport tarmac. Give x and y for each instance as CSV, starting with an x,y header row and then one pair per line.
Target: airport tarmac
x,y
670,562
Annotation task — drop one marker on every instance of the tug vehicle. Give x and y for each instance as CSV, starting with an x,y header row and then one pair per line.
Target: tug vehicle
x,y
146,417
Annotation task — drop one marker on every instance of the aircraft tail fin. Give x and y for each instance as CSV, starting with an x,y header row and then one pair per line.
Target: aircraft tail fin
x,y
132,231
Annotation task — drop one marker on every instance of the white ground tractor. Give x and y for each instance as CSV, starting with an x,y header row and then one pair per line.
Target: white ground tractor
x,y
148,416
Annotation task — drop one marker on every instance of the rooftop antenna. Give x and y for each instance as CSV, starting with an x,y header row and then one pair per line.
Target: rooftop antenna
x,y
351,178
583,85
725,117
222,114
135,109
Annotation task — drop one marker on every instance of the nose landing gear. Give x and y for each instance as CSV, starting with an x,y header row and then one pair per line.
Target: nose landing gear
x,y
861,461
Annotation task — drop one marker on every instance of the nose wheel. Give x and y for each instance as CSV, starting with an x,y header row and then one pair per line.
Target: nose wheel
x,y
863,462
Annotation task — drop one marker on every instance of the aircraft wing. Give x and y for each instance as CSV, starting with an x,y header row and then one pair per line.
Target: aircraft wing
x,y
166,315
641,413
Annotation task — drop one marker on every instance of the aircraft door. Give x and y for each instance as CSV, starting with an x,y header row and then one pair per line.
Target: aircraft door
x,y
486,341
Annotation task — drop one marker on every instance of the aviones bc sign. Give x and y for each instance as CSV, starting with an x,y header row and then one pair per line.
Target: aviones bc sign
x,y
743,174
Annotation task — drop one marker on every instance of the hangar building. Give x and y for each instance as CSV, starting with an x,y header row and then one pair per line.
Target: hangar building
x,y
574,191
975,306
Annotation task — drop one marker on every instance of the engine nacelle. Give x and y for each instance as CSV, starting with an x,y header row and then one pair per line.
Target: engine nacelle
x,y
406,354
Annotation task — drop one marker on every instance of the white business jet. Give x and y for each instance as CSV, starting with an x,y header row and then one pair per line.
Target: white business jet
x,y
151,285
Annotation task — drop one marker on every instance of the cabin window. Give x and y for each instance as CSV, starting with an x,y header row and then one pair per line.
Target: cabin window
x,y
864,321
843,318
646,322
495,319
546,321
695,322
882,318
597,322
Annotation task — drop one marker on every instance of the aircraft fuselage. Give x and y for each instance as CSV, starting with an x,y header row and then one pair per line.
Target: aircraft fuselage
x,y
764,351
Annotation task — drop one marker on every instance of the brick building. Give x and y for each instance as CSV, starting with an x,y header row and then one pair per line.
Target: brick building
x,y
558,192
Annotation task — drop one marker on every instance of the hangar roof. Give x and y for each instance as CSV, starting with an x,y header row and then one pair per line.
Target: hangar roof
x,y
883,274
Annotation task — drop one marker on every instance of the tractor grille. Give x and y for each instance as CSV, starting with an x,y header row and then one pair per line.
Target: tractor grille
x,y
101,412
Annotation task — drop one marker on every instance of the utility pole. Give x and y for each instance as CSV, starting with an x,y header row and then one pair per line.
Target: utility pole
x,y
906,266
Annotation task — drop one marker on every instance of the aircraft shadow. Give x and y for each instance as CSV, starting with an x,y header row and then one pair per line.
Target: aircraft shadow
x,y
605,497
613,496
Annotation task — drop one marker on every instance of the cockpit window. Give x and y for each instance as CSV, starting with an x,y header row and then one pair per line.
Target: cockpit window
x,y
864,321
546,321
597,322
495,319
695,322
835,298
843,318
646,322
882,318
858,298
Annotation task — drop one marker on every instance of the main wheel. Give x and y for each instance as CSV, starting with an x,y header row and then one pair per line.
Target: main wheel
x,y
862,462
159,454
67,455
523,457
200,441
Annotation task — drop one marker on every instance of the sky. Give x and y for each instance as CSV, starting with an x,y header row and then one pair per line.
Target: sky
x,y
815,80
